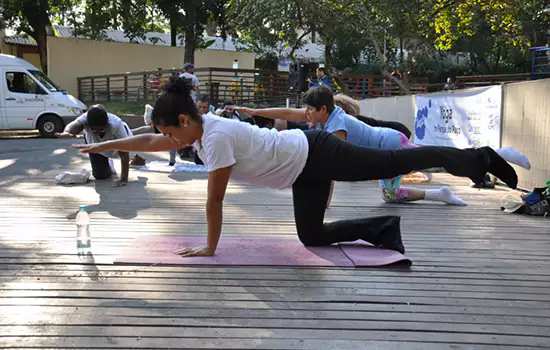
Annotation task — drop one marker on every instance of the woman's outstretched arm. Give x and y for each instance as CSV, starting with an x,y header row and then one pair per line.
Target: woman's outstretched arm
x,y
290,114
140,143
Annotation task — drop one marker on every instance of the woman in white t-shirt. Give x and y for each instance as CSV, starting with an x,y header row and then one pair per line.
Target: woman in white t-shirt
x,y
307,161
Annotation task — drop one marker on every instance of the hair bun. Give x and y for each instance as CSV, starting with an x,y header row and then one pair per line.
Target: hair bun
x,y
179,85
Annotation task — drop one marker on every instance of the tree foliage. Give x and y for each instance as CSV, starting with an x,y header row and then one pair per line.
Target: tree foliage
x,y
185,19
492,34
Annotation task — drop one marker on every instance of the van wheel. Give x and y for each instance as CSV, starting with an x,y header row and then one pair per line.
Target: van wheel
x,y
49,125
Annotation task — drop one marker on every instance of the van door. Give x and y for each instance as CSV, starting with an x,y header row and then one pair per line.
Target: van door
x,y
3,124
23,98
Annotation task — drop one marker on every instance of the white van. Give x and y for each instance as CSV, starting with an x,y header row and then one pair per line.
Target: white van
x,y
30,100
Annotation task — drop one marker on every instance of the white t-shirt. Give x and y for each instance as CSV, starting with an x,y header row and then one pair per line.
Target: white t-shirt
x,y
259,156
116,129
194,82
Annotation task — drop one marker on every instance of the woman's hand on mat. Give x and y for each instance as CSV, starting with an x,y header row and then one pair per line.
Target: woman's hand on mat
x,y
197,251
92,147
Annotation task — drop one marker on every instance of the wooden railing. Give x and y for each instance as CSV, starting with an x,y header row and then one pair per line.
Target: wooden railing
x,y
366,86
492,79
239,85
244,86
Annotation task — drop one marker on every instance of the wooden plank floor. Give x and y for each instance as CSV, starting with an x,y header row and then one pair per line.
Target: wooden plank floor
x,y
480,279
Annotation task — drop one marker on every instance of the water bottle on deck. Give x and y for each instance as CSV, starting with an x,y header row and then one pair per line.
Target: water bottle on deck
x,y
83,239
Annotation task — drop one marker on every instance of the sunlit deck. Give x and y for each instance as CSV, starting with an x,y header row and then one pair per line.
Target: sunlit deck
x,y
480,279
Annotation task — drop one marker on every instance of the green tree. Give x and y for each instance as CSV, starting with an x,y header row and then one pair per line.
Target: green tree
x,y
270,25
88,18
346,27
32,17
189,18
171,11
91,18
495,33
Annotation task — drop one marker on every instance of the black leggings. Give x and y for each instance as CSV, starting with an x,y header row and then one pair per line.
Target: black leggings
x,y
101,169
331,158
385,124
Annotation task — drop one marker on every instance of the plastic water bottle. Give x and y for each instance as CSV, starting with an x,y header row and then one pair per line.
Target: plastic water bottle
x,y
83,239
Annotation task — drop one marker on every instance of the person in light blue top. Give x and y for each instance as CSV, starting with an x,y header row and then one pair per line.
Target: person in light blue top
x,y
320,109
360,133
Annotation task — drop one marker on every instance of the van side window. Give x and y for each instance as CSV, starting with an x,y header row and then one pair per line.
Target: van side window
x,y
22,83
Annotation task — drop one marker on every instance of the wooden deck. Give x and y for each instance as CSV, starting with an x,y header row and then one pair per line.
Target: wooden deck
x,y
480,279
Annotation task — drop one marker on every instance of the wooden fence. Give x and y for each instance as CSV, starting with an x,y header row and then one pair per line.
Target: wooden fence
x,y
368,86
244,86
493,79
239,85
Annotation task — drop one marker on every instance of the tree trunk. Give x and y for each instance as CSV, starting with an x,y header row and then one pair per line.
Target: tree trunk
x,y
498,56
42,42
328,55
190,30
173,30
36,13
297,43
382,57
401,53
189,56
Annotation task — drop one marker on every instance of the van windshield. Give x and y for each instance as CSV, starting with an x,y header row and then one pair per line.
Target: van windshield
x,y
44,80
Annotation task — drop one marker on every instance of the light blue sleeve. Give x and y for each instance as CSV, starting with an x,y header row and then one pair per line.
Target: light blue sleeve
x,y
338,123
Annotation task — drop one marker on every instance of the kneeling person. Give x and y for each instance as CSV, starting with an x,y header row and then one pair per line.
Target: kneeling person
x,y
98,126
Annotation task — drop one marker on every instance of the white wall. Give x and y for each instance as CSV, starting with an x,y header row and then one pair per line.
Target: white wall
x,y
70,58
397,108
526,126
525,123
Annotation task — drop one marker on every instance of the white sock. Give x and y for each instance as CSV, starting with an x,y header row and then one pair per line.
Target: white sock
x,y
444,195
112,166
512,155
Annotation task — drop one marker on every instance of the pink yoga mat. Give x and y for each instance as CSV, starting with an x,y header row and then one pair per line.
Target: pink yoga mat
x,y
250,251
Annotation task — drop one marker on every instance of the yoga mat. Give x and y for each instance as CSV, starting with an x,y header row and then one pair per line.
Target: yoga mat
x,y
363,255
252,251
189,167
179,167
232,250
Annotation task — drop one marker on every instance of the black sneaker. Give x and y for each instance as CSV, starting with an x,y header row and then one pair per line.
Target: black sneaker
x,y
137,161
486,183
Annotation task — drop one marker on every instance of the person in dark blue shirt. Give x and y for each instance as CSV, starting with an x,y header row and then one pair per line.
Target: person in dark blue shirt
x,y
322,79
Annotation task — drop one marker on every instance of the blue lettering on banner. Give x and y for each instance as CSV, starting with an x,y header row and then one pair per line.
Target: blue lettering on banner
x,y
446,113
447,129
440,129
420,122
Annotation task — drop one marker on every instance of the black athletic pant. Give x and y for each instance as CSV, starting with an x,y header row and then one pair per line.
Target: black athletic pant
x,y
331,158
386,124
100,166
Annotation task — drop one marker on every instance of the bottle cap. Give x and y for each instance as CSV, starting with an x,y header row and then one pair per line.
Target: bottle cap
x,y
82,207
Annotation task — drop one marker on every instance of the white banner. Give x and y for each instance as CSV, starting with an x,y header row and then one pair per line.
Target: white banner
x,y
461,119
